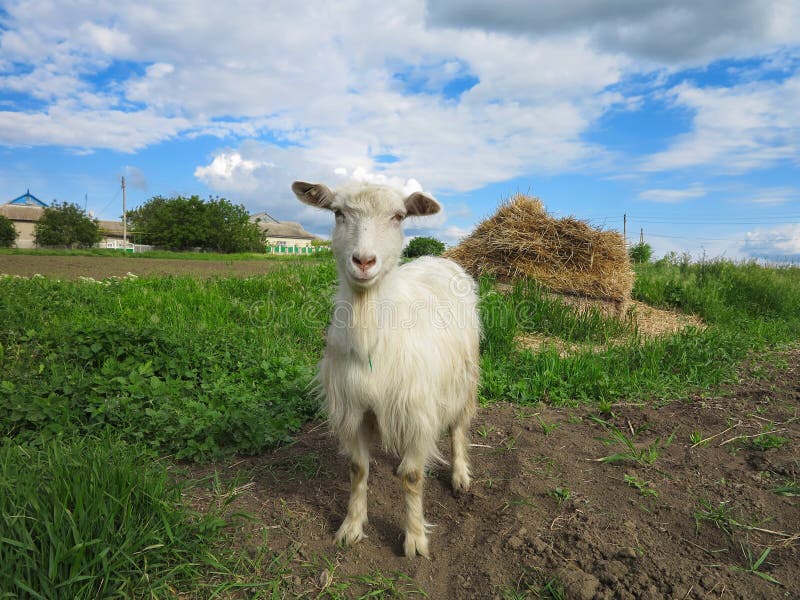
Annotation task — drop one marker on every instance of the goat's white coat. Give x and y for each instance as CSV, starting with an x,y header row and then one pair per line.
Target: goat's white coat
x,y
402,349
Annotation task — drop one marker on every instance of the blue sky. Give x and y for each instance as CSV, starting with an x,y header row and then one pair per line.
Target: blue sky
x,y
680,114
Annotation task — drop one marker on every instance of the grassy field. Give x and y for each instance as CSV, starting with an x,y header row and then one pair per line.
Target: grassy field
x,y
136,373
166,254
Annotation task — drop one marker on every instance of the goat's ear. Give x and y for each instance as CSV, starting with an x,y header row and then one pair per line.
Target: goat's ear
x,y
315,194
421,205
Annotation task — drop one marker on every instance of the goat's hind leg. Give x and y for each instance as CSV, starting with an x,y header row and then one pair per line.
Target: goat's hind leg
x,y
357,448
459,445
412,473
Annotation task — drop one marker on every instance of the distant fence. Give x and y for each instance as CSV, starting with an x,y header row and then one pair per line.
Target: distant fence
x,y
296,249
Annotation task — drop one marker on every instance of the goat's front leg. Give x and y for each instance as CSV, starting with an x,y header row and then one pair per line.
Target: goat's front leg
x,y
412,474
352,529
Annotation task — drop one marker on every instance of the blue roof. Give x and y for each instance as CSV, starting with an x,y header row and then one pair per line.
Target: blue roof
x,y
28,199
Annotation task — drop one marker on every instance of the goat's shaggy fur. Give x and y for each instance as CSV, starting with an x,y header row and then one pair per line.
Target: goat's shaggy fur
x,y
401,358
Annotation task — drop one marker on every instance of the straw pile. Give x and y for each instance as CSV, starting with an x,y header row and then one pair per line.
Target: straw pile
x,y
567,256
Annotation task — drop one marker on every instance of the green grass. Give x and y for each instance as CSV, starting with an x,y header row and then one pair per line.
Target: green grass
x,y
199,369
645,456
97,518
747,308
168,254
192,368
534,583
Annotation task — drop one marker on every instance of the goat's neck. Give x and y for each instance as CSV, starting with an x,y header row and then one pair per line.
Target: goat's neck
x,y
357,317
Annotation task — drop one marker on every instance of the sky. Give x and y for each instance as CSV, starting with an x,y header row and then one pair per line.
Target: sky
x,y
680,116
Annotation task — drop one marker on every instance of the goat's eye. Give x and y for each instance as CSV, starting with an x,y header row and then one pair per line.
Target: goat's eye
x,y
397,217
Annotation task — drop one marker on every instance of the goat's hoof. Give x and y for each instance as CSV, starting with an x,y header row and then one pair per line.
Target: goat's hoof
x,y
460,483
350,532
416,544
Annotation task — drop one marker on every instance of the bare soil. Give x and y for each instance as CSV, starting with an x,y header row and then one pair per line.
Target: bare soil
x,y
542,507
101,267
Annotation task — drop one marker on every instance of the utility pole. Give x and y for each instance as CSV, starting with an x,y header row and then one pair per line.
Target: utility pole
x,y
641,236
124,219
625,228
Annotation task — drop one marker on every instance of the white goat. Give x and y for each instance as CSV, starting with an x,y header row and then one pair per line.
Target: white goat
x,y
401,358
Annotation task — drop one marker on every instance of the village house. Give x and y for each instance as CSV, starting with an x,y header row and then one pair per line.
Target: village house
x,y
27,209
280,237
286,237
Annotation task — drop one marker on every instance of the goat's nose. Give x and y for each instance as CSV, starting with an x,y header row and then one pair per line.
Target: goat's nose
x,y
364,262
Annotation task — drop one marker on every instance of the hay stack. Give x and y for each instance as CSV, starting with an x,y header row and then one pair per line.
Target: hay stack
x,y
566,255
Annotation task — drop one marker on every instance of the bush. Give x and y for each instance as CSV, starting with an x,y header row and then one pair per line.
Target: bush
x,y
67,225
186,223
641,252
8,233
422,246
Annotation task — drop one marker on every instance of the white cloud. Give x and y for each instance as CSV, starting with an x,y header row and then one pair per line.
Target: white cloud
x,y
453,234
229,170
668,32
779,243
735,129
62,125
773,195
407,186
324,78
108,40
673,195
317,91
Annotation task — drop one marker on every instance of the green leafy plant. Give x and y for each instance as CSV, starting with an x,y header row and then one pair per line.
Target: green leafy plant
x,y
547,428
65,224
8,232
645,456
696,437
561,494
767,440
181,223
644,487
641,252
534,583
753,566
485,430
192,368
720,515
789,488
422,246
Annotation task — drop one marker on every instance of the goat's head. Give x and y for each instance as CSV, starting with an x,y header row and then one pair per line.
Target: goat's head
x,y
368,235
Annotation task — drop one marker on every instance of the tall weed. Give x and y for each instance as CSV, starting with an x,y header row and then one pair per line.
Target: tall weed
x,y
96,519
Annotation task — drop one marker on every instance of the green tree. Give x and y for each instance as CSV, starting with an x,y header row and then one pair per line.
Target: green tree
x,y
641,252
422,246
230,229
8,233
66,225
182,223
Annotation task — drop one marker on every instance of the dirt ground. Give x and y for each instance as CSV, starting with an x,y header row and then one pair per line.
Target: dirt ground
x,y
693,524
100,267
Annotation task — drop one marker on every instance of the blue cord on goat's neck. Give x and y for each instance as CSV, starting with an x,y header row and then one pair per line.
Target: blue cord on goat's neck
x,y
370,362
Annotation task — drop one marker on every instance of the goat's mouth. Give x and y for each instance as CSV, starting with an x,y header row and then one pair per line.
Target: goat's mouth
x,y
361,279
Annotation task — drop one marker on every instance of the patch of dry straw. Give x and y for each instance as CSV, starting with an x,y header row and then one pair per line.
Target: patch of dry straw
x,y
567,255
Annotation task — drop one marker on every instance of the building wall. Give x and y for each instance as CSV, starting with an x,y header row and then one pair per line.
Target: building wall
x,y
25,231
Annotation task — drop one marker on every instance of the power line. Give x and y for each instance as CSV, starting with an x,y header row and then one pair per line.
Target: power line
x,y
116,194
788,220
